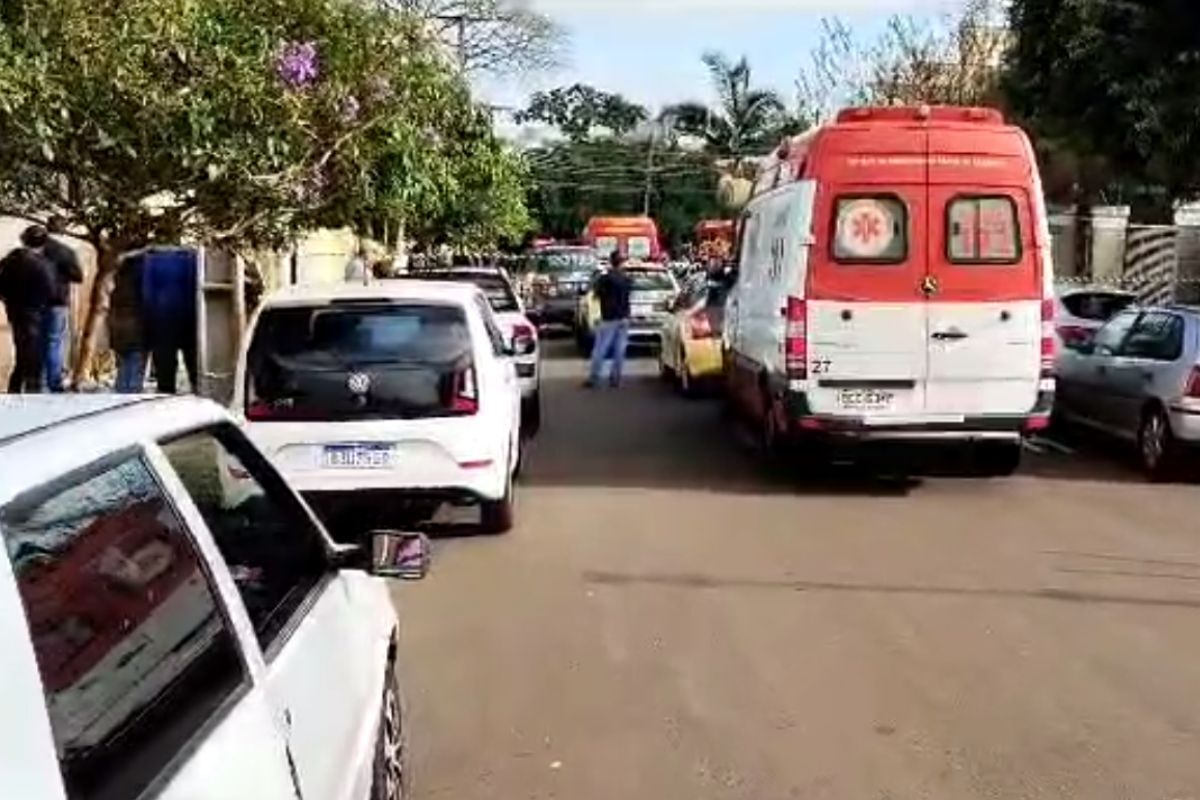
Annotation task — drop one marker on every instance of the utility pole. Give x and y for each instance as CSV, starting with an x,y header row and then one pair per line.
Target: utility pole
x,y
649,172
460,22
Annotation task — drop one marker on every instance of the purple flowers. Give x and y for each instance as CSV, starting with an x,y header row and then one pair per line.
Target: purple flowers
x,y
297,64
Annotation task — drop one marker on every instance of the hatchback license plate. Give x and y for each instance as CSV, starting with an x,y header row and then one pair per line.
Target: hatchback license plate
x,y
359,456
865,399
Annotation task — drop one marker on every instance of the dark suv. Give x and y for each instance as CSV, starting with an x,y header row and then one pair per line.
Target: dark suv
x,y
553,281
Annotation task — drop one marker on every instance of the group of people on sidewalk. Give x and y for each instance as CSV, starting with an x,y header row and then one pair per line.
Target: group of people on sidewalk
x,y
151,317
35,288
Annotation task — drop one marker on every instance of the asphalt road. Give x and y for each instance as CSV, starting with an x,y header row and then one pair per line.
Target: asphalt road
x,y
669,622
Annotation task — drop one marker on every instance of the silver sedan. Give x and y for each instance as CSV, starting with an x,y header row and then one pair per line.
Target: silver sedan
x,y
1137,378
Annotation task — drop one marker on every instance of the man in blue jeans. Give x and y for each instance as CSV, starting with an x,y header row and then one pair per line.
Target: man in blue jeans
x,y
56,319
612,335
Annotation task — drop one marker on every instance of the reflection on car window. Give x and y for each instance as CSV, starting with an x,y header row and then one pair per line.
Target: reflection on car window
x,y
1157,336
273,550
1111,336
133,651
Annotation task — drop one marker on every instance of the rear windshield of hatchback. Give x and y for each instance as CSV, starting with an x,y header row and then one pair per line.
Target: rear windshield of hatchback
x,y
342,362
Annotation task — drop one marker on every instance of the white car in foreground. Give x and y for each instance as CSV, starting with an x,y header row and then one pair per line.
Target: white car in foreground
x,y
520,331
174,621
383,402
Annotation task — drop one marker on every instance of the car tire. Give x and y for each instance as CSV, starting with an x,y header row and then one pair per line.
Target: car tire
x,y
531,415
1157,449
664,370
771,440
998,460
391,776
687,384
498,516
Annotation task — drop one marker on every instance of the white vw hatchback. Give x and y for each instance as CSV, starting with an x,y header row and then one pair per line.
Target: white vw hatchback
x,y
381,402
174,622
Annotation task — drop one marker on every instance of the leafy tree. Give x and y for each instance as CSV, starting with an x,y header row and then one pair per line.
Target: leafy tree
x,y
1113,81
748,120
954,62
494,36
573,181
229,121
579,110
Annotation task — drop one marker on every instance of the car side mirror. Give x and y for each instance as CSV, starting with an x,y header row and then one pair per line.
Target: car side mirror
x,y
404,556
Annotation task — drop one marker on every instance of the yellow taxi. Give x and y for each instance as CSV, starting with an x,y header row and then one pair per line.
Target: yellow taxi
x,y
691,339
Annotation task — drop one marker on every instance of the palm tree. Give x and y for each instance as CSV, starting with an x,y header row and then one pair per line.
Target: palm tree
x,y
748,121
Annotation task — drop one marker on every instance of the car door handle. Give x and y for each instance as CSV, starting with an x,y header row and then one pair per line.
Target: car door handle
x,y
948,336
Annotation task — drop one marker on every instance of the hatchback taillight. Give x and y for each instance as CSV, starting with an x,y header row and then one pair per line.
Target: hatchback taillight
x,y
700,325
1048,341
796,339
524,339
1193,386
465,399
263,411
1074,334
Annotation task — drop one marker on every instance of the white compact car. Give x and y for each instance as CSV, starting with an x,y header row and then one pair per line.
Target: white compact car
x,y
174,621
520,331
1081,311
383,402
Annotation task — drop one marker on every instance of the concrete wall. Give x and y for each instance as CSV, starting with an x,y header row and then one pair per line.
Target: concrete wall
x,y
10,234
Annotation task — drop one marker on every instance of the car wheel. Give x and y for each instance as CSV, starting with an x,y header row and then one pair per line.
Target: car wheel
x,y
687,384
1156,445
771,437
497,516
391,775
995,460
664,369
531,415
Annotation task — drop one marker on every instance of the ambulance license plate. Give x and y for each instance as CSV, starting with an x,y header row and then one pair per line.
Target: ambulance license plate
x,y
865,399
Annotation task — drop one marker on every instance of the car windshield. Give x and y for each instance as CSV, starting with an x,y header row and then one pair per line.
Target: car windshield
x,y
498,291
357,362
645,280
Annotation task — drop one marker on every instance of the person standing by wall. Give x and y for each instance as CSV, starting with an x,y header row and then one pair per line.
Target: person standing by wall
x,y
27,287
126,330
612,335
56,321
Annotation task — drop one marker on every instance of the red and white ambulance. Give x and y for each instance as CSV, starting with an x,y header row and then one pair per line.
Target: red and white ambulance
x,y
895,283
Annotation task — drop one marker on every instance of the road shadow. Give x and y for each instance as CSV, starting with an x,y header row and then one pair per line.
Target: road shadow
x,y
1044,594
644,435
1075,454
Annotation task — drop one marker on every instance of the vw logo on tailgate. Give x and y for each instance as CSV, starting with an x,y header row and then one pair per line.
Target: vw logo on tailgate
x,y
358,383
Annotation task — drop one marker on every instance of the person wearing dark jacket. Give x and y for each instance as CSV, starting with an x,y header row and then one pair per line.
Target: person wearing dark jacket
x,y
56,318
169,282
612,335
126,329
27,289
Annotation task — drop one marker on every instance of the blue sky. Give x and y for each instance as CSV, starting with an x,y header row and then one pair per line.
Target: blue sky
x,y
649,50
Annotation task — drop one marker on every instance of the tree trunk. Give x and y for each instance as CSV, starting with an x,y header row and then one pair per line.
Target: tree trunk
x,y
107,260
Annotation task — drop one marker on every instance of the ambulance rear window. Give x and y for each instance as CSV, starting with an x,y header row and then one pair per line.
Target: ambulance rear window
x,y
870,230
982,230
